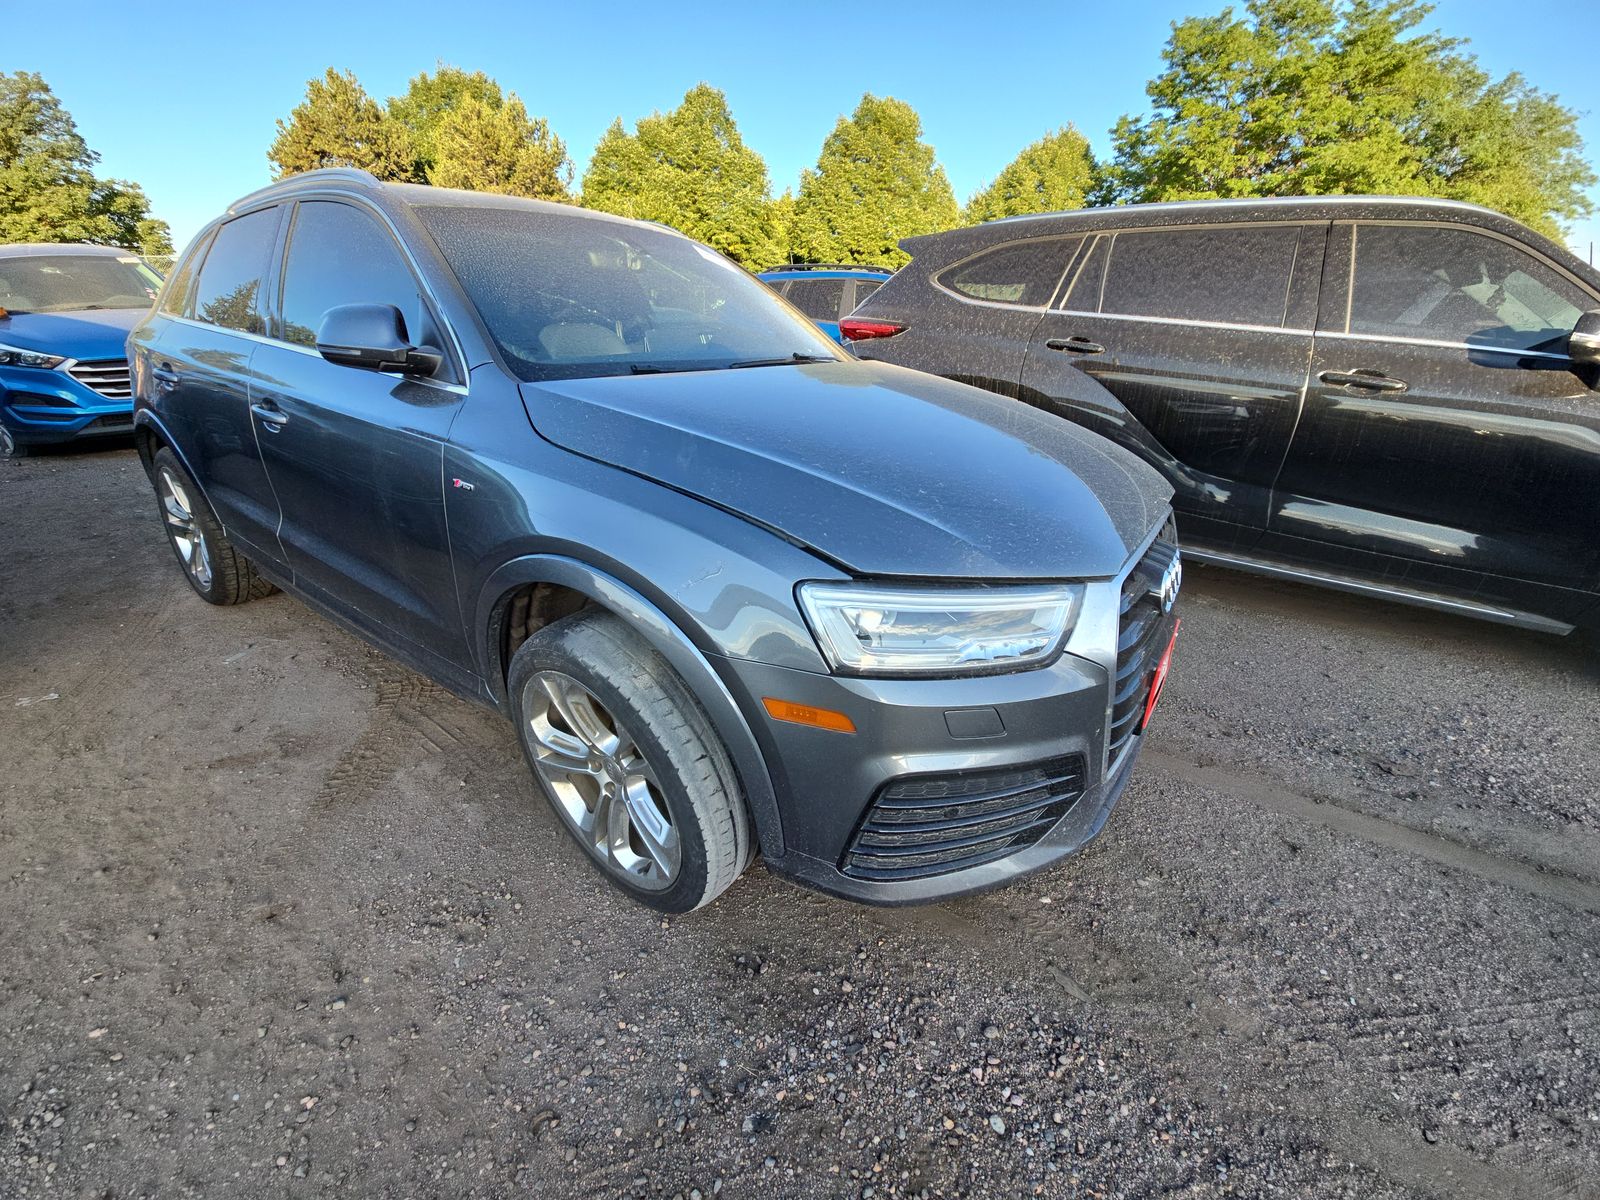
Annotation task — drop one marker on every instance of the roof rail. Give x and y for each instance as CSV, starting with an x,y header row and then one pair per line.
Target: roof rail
x,y
809,266
325,174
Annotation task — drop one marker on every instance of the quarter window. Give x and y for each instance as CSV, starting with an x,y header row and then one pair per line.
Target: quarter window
x,y
228,292
819,299
1236,275
179,288
340,255
1458,285
1023,273
865,288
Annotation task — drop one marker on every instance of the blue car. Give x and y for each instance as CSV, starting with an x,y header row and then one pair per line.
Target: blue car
x,y
825,293
65,313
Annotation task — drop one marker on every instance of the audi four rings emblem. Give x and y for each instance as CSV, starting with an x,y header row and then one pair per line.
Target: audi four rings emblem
x,y
1171,581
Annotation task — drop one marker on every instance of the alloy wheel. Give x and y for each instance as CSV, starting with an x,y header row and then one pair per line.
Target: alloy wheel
x,y
605,790
184,530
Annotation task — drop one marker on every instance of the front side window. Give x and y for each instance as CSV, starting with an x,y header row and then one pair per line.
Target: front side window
x,y
1023,273
819,299
76,282
228,292
179,287
1233,275
340,255
1458,285
568,295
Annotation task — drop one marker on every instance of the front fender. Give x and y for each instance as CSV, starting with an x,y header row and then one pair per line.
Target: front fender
x,y
650,623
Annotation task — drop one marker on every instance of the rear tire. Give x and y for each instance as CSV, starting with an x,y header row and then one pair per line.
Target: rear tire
x,y
215,569
629,762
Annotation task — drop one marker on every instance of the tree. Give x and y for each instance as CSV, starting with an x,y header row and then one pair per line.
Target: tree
x,y
48,189
875,182
689,169
430,99
1054,173
499,150
1314,97
339,125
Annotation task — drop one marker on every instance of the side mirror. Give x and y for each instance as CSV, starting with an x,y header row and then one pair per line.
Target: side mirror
x,y
1583,344
373,337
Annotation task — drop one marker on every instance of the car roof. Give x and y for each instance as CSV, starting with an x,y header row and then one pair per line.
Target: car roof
x,y
1274,204
824,271
421,195
49,249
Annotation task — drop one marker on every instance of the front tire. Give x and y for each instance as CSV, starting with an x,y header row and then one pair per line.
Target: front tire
x,y
215,569
629,762
9,446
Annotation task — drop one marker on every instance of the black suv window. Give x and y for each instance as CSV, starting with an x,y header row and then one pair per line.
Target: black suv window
x,y
1017,273
1458,285
340,255
228,291
819,299
865,288
1237,275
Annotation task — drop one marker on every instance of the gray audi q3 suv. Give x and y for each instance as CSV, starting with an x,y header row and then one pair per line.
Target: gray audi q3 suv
x,y
735,589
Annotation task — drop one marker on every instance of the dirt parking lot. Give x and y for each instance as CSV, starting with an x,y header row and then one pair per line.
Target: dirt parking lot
x,y
283,919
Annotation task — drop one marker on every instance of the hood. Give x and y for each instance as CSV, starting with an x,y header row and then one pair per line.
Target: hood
x,y
884,470
89,334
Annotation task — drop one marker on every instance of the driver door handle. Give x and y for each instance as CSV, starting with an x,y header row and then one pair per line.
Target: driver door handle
x,y
270,415
1075,345
1365,380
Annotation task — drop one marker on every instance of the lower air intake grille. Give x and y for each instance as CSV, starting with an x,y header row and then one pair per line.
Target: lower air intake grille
x,y
921,825
1139,643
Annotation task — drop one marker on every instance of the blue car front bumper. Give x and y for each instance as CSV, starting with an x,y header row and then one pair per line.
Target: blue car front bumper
x,y
78,399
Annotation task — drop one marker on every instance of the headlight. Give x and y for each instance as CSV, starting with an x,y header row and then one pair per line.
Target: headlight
x,y
870,630
15,356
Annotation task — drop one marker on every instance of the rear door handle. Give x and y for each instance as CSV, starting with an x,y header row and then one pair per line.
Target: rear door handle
x,y
270,415
1366,380
1075,345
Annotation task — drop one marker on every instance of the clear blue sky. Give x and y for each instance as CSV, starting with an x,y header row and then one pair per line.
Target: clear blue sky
x,y
181,96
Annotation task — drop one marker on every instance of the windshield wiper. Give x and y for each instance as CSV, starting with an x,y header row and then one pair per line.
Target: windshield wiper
x,y
782,362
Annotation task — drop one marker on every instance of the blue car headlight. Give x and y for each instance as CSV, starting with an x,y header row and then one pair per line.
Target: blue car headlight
x,y
16,356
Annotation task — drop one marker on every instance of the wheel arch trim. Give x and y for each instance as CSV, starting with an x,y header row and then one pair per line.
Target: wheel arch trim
x,y
663,636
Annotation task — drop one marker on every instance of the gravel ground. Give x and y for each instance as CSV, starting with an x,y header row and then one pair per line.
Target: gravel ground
x,y
283,919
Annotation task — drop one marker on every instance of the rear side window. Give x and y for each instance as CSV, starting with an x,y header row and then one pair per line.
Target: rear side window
x,y
819,299
228,292
1236,275
1023,273
340,255
179,288
1457,285
865,288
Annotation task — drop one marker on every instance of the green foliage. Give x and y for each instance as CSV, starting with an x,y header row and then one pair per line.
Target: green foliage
x,y
1315,97
339,125
500,149
1054,173
689,169
48,189
875,182
430,99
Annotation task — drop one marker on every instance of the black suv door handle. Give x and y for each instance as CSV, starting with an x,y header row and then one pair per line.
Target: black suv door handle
x,y
1366,380
1075,345
166,378
270,415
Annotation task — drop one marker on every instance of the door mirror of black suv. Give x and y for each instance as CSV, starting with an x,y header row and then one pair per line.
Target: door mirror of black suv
x,y
373,336
1583,344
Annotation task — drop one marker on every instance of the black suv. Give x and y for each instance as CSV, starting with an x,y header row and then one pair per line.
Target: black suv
x,y
1390,396
733,587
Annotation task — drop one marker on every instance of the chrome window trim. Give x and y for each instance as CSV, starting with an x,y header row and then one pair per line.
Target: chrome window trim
x,y
1383,339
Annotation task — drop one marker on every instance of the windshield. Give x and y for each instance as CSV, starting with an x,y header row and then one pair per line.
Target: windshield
x,y
73,282
566,297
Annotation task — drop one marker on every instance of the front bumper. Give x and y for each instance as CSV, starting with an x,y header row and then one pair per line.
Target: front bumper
x,y
41,407
954,786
